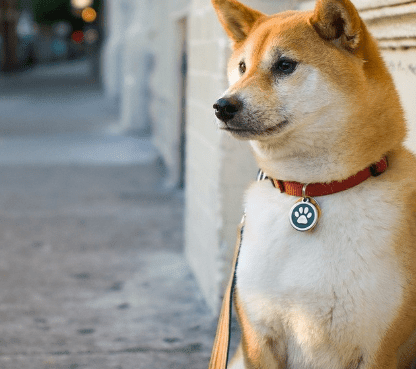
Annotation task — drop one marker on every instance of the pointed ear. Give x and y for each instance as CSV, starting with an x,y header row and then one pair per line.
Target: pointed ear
x,y
236,18
338,21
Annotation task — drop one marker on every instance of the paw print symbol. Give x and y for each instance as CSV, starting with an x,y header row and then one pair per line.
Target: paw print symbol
x,y
303,215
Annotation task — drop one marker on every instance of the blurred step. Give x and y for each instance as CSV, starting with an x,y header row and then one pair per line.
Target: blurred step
x,y
54,99
77,149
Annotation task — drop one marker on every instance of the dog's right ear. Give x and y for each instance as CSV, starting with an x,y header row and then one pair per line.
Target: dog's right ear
x,y
338,21
236,18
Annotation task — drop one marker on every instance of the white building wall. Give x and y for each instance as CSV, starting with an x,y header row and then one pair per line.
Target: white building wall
x,y
166,38
118,16
136,68
206,81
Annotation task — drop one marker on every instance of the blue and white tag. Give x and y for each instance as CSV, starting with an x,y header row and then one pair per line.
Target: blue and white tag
x,y
304,214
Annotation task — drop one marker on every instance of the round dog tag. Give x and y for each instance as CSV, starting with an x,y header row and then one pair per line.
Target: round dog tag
x,y
304,214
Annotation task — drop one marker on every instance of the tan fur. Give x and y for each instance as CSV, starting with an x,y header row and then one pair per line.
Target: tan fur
x,y
301,137
258,351
397,349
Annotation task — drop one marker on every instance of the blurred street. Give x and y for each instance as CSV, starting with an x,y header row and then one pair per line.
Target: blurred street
x,y
92,273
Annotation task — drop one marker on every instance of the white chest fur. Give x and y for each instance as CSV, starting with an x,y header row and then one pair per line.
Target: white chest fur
x,y
329,293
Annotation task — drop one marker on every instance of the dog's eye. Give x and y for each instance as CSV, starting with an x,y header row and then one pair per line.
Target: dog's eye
x,y
242,67
285,66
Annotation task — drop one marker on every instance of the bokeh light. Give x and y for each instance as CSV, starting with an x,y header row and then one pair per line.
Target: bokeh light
x,y
78,37
91,36
89,15
81,4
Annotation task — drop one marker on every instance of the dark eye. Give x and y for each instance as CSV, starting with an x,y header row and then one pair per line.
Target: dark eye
x,y
285,66
242,67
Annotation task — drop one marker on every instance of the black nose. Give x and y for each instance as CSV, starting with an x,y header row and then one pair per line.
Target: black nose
x,y
227,108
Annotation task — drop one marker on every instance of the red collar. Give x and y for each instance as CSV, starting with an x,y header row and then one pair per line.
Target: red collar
x,y
322,189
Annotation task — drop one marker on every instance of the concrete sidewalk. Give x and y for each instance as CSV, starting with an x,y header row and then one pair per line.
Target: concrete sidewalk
x,y
92,271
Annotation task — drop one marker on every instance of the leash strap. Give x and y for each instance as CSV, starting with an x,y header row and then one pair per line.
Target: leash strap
x,y
221,348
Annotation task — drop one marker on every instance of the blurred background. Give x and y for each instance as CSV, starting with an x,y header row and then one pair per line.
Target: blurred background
x,y
38,32
119,197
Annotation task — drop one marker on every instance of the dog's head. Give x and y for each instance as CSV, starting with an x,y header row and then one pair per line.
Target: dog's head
x,y
307,83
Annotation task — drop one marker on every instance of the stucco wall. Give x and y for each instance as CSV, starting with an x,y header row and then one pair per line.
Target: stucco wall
x,y
207,49
165,40
112,55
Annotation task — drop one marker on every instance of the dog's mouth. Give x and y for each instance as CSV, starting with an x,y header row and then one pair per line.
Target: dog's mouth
x,y
251,132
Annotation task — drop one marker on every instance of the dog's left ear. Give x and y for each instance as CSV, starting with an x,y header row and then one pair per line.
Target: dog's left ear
x,y
337,21
236,18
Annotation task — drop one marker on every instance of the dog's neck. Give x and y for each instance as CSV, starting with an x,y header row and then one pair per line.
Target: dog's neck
x,y
324,166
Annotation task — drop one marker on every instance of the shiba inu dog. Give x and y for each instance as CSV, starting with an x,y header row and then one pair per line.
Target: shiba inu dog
x,y
326,274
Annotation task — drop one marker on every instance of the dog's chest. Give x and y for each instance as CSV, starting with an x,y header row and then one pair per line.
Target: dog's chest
x,y
337,287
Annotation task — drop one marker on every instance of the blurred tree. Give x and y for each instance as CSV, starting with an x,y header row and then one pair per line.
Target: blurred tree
x,y
51,11
9,15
